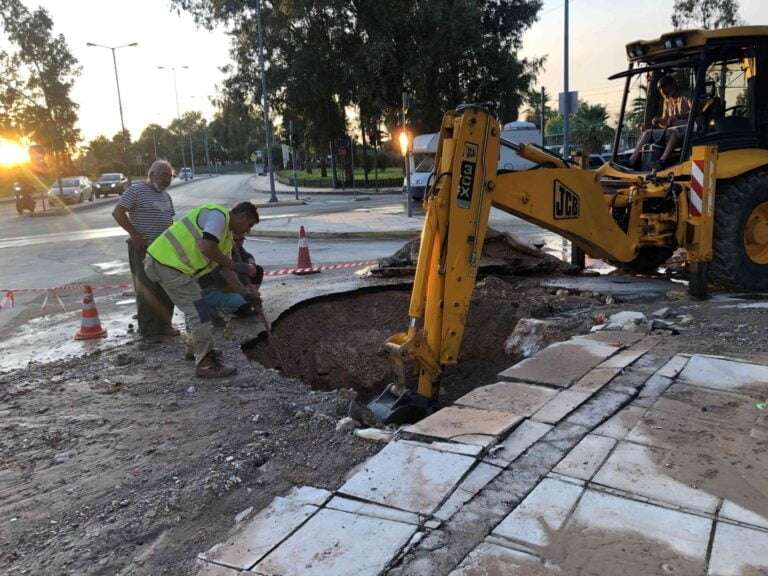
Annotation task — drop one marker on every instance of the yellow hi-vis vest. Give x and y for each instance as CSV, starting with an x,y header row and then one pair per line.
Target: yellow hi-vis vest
x,y
177,246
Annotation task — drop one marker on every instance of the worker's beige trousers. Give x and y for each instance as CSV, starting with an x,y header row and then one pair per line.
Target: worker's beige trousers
x,y
185,293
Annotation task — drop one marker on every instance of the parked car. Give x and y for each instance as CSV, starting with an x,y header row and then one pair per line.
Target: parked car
x,y
186,173
110,183
72,190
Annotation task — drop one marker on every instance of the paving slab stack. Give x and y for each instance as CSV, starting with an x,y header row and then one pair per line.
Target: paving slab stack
x,y
597,451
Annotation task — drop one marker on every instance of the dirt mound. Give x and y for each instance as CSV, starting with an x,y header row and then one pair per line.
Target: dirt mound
x,y
502,254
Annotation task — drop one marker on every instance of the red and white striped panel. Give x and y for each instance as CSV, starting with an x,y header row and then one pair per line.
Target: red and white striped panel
x,y
696,191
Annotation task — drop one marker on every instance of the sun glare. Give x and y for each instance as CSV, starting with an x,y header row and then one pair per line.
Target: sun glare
x,y
12,153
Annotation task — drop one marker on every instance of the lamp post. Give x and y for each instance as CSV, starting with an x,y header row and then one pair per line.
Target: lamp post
x,y
265,102
178,110
119,97
405,150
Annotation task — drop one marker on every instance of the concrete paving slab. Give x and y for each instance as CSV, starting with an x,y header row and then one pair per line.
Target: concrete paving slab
x,y
522,438
208,569
490,559
639,538
623,358
732,511
654,387
309,495
672,368
514,397
265,531
620,424
454,447
738,551
727,375
561,405
475,481
460,424
595,379
409,477
613,337
560,364
647,471
338,543
544,511
373,510
586,458
733,410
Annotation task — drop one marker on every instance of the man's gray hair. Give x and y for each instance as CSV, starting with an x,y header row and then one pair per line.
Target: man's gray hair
x,y
157,165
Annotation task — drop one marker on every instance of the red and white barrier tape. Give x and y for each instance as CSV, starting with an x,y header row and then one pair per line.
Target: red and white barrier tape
x,y
9,301
343,266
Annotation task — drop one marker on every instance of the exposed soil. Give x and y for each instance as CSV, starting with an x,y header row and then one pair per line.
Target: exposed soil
x,y
338,342
122,463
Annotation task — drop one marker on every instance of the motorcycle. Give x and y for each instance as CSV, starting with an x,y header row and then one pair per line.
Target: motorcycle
x,y
25,199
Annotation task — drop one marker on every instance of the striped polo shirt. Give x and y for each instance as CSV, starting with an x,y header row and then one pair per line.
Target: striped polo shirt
x,y
150,211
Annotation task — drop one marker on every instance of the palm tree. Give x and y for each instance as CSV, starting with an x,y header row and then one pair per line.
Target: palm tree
x,y
590,128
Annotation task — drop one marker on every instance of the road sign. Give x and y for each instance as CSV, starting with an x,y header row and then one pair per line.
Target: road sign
x,y
573,102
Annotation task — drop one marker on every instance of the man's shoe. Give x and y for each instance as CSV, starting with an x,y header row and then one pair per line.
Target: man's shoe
x,y
211,367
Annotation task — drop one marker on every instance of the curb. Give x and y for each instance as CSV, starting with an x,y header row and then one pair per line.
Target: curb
x,y
336,192
279,203
374,235
64,210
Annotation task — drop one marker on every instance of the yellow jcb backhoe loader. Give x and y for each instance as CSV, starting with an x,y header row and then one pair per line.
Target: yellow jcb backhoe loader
x,y
711,199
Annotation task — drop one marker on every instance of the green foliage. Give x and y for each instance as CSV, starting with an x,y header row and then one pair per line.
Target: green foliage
x,y
327,57
707,14
36,79
589,125
533,101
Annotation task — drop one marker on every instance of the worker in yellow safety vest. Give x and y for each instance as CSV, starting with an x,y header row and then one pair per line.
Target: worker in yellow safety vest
x,y
194,246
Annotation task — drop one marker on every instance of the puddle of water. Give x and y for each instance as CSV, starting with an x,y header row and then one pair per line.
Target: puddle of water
x,y
113,267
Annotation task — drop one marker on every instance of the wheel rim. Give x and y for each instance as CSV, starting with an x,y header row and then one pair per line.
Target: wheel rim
x,y
756,234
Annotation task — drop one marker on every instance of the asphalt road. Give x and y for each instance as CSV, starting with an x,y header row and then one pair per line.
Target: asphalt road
x,y
45,252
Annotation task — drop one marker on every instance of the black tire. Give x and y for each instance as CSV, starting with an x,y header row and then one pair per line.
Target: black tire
x,y
731,267
648,260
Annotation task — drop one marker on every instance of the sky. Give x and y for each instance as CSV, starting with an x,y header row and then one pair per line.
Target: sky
x,y
599,31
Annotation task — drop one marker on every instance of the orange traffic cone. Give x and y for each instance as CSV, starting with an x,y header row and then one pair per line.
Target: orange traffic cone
x,y
90,327
304,265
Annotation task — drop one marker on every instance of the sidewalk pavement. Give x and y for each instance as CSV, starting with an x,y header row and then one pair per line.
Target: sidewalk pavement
x,y
261,184
599,455
387,222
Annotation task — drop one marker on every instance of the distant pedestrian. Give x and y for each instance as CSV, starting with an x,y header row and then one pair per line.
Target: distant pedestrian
x,y
145,211
199,243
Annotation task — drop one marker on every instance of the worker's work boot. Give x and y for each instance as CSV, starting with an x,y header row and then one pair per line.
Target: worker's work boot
x,y
212,367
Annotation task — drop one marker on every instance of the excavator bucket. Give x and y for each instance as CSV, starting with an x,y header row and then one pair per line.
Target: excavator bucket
x,y
398,406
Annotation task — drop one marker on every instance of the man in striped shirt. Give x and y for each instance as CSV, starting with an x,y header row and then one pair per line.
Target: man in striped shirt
x,y
145,211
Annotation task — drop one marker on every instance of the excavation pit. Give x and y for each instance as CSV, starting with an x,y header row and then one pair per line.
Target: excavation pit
x,y
337,341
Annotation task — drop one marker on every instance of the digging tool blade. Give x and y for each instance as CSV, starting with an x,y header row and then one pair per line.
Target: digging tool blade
x,y
396,406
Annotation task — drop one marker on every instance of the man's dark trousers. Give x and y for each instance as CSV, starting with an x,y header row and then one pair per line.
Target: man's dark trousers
x,y
155,309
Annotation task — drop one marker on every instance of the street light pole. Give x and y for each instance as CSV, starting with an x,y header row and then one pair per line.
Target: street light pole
x,y
119,97
293,159
265,102
566,89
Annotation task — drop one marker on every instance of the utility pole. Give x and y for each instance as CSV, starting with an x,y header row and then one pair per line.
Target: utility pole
x,y
293,159
566,89
119,97
543,112
407,157
265,101
207,156
154,141
191,155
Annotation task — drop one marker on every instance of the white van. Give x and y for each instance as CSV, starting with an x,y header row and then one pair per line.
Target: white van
x,y
425,148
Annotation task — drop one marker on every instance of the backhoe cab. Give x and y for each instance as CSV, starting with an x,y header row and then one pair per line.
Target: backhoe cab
x,y
711,199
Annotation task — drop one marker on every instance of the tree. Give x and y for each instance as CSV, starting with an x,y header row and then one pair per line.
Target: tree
x,y
534,102
328,57
590,127
37,79
707,14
